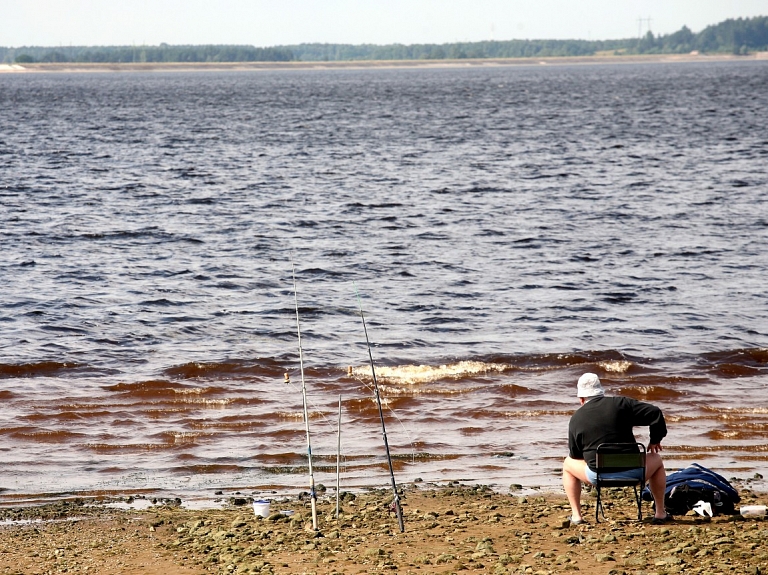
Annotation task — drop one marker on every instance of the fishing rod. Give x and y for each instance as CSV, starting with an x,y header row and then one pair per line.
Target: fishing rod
x,y
312,494
398,509
338,460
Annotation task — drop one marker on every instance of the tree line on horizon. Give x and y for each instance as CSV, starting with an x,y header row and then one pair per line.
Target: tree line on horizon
x,y
734,36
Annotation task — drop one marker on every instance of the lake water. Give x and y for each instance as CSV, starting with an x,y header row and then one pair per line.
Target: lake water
x,y
507,229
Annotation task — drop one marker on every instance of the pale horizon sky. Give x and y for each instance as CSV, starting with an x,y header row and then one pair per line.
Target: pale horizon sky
x,y
284,22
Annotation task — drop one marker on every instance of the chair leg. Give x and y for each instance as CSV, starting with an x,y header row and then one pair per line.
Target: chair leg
x,y
639,501
598,506
600,509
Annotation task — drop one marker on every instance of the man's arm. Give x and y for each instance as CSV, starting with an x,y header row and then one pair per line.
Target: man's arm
x,y
650,415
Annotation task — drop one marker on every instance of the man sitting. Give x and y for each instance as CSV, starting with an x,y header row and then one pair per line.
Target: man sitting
x,y
602,419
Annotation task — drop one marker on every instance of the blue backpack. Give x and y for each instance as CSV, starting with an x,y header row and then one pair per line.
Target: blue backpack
x,y
695,483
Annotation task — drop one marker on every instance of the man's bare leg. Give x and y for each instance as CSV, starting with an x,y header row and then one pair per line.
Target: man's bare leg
x,y
574,473
657,482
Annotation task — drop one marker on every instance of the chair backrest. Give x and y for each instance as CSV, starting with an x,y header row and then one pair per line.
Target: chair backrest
x,y
616,457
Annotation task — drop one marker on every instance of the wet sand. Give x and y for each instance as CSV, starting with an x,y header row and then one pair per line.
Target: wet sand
x,y
448,529
362,64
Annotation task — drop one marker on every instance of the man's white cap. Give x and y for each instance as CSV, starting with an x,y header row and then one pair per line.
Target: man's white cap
x,y
589,386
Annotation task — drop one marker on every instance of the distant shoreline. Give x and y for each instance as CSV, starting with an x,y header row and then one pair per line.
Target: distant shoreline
x,y
75,67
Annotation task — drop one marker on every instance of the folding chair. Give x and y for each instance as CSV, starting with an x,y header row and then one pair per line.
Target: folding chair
x,y
615,458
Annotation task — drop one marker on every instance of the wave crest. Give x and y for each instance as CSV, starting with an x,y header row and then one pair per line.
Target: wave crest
x,y
415,374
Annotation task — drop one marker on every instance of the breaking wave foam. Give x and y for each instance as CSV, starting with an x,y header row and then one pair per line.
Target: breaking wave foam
x,y
415,374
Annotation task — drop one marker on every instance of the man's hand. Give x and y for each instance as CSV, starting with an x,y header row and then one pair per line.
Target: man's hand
x,y
654,447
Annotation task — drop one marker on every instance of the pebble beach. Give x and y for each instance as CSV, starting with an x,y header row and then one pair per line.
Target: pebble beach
x,y
449,528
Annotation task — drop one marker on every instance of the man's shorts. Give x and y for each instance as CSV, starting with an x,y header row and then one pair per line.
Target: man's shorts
x,y
631,474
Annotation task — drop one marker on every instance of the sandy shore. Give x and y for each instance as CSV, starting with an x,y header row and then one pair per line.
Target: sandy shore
x,y
450,529
255,66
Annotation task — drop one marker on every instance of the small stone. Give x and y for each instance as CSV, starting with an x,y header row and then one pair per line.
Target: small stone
x,y
603,558
664,561
375,552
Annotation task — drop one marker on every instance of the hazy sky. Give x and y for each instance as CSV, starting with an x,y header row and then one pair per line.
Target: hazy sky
x,y
275,22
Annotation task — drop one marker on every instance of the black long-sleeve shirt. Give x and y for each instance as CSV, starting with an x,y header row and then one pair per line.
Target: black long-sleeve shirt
x,y
610,420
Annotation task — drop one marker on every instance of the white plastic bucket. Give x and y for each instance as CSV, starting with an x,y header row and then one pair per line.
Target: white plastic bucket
x,y
753,510
261,508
